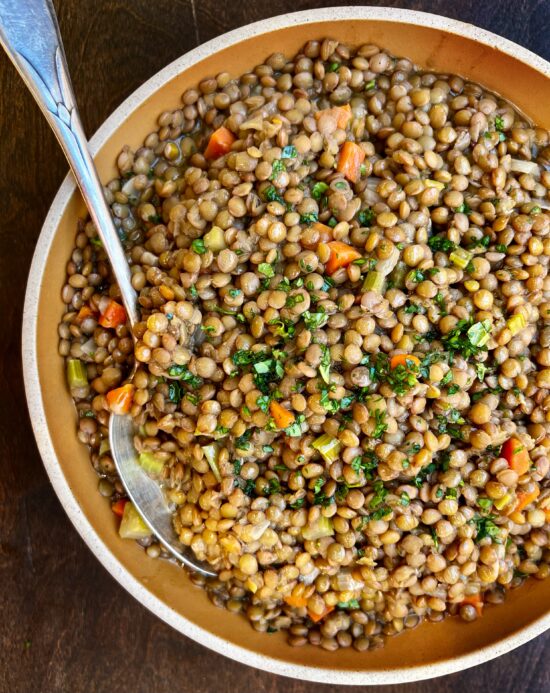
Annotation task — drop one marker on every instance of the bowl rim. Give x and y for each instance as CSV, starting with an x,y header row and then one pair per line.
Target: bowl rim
x,y
34,394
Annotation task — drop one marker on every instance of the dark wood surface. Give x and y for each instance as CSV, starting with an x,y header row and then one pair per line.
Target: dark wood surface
x,y
65,625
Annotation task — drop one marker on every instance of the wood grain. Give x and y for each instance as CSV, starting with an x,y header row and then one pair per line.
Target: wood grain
x,y
65,625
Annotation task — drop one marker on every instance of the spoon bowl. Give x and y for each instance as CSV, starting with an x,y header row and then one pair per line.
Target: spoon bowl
x,y
146,494
43,67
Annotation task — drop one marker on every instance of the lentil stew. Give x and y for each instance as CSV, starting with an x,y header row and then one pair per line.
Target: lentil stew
x,y
358,439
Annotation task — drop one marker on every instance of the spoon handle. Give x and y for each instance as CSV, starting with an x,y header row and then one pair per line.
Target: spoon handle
x,y
29,34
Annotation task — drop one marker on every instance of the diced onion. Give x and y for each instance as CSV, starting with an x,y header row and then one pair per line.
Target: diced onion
x,y
214,240
211,453
430,183
521,166
321,527
384,267
89,347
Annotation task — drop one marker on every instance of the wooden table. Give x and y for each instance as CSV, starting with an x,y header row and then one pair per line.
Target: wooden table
x,y
65,624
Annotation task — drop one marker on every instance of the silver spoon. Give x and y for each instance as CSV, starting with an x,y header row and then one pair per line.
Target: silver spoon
x,y
29,34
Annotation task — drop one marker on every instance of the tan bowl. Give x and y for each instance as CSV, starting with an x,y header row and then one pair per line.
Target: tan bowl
x,y
431,650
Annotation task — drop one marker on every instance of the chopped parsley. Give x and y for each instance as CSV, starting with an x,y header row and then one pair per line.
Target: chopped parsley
x,y
485,527
184,374
441,243
380,425
318,190
295,429
366,463
197,246
324,366
352,604
314,321
266,269
289,152
366,217
271,195
276,167
292,301
309,218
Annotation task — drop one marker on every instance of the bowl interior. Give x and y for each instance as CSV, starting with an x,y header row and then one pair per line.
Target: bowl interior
x,y
433,48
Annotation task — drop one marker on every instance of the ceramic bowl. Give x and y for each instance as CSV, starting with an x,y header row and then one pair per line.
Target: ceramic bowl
x,y
430,650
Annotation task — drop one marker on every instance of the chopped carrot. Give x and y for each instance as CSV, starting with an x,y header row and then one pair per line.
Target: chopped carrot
x,y
525,498
342,114
282,417
350,160
319,617
341,255
120,400
517,456
113,315
404,360
547,513
220,142
118,506
324,235
297,601
475,600
83,313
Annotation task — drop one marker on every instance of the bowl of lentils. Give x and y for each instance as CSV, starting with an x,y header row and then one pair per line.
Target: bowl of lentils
x,y
341,255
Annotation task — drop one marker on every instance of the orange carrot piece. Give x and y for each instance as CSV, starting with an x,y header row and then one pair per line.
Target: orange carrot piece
x,y
344,116
517,456
475,600
113,316
220,142
341,113
83,313
341,255
404,360
297,601
120,400
547,513
324,235
282,417
118,506
319,617
350,160
525,498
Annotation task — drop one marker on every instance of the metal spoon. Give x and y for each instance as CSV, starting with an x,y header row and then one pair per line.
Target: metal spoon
x,y
29,34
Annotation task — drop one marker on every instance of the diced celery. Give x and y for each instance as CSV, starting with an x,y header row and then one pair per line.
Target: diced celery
x,y
328,447
76,373
322,527
398,275
431,183
502,502
150,463
374,281
104,446
460,257
132,526
211,452
516,323
479,333
214,239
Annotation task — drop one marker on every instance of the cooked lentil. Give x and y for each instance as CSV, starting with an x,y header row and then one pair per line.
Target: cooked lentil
x,y
333,444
